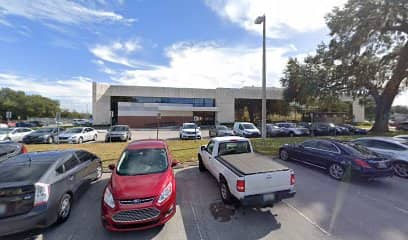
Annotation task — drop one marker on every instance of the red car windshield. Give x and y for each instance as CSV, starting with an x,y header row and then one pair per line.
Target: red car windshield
x,y
142,161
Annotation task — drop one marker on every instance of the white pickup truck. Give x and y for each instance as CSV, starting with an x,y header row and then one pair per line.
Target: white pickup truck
x,y
250,178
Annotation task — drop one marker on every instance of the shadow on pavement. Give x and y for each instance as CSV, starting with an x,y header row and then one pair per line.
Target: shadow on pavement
x,y
206,217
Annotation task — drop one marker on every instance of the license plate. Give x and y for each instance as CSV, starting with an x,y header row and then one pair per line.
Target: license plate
x,y
2,209
269,197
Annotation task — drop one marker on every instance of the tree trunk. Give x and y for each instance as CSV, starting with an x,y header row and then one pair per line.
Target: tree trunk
x,y
382,114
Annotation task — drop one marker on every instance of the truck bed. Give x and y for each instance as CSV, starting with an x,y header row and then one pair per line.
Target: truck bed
x,y
251,163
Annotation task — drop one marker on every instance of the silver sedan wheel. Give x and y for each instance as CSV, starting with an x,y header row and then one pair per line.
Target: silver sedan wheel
x,y
401,169
336,171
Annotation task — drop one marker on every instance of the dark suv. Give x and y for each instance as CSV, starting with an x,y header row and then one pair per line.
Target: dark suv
x,y
37,189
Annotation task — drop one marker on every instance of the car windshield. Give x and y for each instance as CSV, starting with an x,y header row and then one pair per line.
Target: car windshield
x,y
44,130
189,126
248,126
5,130
74,130
235,147
22,172
119,129
357,149
222,128
143,161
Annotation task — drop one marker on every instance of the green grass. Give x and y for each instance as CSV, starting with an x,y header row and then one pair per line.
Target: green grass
x,y
183,151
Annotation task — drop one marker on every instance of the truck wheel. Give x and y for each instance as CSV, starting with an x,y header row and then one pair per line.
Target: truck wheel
x,y
225,192
201,166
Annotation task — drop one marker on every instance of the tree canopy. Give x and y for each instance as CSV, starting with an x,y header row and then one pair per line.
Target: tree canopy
x,y
24,106
366,56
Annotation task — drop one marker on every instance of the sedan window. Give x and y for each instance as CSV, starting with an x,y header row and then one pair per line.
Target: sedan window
x,y
309,144
84,156
71,163
386,145
326,146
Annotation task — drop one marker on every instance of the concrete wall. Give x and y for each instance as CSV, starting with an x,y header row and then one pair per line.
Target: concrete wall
x,y
224,99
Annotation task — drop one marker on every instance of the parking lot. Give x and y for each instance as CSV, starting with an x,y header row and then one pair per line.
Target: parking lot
x,y
322,209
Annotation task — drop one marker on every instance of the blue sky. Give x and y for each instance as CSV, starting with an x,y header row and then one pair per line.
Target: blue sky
x,y
57,48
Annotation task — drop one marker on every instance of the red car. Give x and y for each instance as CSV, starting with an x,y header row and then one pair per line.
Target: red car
x,y
141,193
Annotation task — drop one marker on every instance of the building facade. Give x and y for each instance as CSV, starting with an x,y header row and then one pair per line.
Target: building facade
x,y
140,106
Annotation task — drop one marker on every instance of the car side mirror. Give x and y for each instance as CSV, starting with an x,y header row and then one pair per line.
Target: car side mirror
x,y
112,167
203,148
174,163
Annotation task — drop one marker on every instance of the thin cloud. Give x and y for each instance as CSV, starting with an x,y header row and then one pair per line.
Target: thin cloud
x,y
62,11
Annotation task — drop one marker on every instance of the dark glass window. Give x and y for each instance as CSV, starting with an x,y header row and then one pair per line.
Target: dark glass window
x,y
71,163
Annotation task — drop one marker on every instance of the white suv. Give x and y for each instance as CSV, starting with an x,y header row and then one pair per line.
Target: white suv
x,y
190,131
246,129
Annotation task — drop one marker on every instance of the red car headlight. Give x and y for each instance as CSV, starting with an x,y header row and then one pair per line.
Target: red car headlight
x,y
166,193
108,198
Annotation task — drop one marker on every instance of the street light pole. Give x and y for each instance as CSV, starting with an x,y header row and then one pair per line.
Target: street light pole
x,y
259,20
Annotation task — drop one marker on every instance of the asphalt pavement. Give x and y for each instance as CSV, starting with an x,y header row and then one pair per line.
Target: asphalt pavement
x,y
322,209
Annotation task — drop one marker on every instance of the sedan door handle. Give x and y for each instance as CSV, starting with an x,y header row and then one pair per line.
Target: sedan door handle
x,y
71,178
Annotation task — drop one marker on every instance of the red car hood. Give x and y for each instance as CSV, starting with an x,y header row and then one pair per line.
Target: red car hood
x,y
140,186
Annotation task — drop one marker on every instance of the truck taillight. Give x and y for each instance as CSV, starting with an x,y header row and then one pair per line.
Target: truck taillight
x,y
292,179
241,185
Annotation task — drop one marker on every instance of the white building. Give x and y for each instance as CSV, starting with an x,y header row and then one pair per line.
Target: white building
x,y
140,106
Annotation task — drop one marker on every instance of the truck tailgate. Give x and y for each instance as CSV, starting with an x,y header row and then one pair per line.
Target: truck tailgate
x,y
267,182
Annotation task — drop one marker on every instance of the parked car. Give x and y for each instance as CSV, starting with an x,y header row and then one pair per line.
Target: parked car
x,y
394,148
274,131
292,130
354,130
78,135
220,130
246,129
322,129
141,192
3,125
14,134
43,135
190,131
244,175
402,126
341,159
25,124
10,149
81,122
118,133
43,191
341,130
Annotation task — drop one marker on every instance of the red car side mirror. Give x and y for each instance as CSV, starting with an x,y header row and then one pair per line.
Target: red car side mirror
x,y
112,166
174,163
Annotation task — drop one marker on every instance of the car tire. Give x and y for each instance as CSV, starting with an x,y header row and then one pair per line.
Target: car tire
x,y
400,169
201,166
283,155
337,171
99,171
225,193
291,134
50,140
312,133
80,140
64,208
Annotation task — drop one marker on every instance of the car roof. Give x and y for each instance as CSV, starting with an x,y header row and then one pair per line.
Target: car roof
x,y
146,143
120,126
386,139
229,138
38,157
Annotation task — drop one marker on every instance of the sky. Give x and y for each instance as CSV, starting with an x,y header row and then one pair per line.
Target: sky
x,y
57,48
